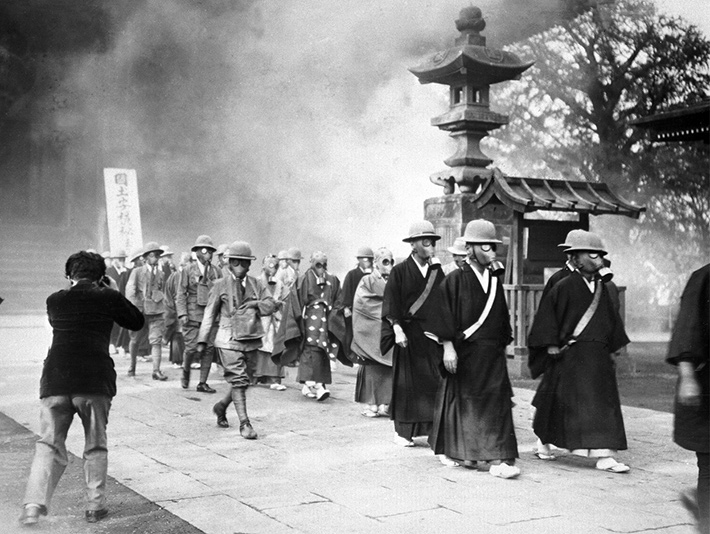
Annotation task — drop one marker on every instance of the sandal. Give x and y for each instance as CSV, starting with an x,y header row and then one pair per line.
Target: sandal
x,y
369,413
545,456
612,466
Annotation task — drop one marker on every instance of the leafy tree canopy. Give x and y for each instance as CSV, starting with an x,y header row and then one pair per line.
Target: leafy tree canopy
x,y
570,115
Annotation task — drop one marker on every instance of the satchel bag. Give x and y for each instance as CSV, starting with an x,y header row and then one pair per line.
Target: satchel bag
x,y
246,325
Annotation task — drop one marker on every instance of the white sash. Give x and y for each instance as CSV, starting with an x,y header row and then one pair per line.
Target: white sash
x,y
486,310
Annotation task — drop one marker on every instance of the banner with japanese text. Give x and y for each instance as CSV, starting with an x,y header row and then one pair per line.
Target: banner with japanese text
x,y
122,210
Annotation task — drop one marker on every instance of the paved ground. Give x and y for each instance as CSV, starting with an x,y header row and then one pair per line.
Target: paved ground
x,y
319,467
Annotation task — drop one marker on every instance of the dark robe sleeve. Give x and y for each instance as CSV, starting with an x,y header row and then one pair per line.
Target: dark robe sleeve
x,y
336,322
390,310
543,333
690,333
445,324
618,338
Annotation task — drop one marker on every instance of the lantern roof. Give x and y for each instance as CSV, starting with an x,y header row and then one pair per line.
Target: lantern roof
x,y
470,60
472,63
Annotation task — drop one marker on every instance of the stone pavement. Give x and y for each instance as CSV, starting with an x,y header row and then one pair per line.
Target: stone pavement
x,y
323,468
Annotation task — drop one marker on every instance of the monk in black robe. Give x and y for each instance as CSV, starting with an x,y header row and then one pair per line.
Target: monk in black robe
x,y
473,418
689,350
411,305
577,401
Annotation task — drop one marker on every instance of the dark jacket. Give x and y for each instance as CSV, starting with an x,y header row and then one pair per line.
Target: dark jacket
x,y
691,342
81,319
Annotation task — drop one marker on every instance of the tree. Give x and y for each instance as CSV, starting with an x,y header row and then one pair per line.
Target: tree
x,y
593,75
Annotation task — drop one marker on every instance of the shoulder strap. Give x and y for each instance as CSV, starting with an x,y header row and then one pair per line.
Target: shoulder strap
x,y
486,310
588,314
230,295
425,294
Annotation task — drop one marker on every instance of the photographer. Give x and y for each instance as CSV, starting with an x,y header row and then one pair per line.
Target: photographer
x,y
78,377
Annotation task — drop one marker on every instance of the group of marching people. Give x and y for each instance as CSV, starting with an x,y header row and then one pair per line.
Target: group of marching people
x,y
430,346
430,343
449,333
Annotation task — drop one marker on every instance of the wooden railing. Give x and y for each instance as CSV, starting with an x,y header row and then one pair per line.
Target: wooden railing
x,y
523,301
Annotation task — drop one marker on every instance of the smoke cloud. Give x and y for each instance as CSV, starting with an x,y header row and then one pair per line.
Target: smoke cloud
x,y
283,124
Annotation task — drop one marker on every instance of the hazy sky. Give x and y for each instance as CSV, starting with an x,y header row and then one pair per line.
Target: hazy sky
x,y
287,123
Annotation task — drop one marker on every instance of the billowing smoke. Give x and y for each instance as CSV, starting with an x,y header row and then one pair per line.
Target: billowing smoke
x,y
281,123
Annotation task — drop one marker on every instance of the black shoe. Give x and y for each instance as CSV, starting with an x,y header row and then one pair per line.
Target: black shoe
x,y
131,372
203,387
158,375
246,430
92,516
221,412
30,514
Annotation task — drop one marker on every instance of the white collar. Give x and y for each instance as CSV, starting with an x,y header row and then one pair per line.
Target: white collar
x,y
590,284
424,269
484,278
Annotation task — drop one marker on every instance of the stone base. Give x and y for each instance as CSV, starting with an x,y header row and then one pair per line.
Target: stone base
x,y
450,213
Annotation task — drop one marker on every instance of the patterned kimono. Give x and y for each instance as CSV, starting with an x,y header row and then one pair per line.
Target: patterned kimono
x,y
312,328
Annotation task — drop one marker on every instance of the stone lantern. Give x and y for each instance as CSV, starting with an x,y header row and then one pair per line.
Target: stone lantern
x,y
516,205
469,68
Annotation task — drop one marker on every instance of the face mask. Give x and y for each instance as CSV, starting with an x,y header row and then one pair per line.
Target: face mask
x,y
497,268
605,275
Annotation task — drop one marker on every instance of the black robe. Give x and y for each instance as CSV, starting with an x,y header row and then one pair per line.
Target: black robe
x,y
690,342
577,400
473,417
537,358
415,367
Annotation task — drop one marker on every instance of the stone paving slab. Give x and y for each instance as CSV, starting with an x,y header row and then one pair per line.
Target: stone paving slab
x,y
322,467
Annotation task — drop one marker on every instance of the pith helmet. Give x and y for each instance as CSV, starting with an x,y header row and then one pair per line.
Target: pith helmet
x,y
570,238
294,254
459,247
204,241
480,231
152,246
421,230
221,249
282,255
239,250
120,253
586,241
365,252
136,253
166,251
106,255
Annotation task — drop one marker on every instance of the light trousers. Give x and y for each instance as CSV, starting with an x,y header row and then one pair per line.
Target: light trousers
x,y
50,460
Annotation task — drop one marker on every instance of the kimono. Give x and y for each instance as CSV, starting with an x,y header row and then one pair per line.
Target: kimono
x,y
312,329
265,368
415,368
374,377
473,418
577,401
347,296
